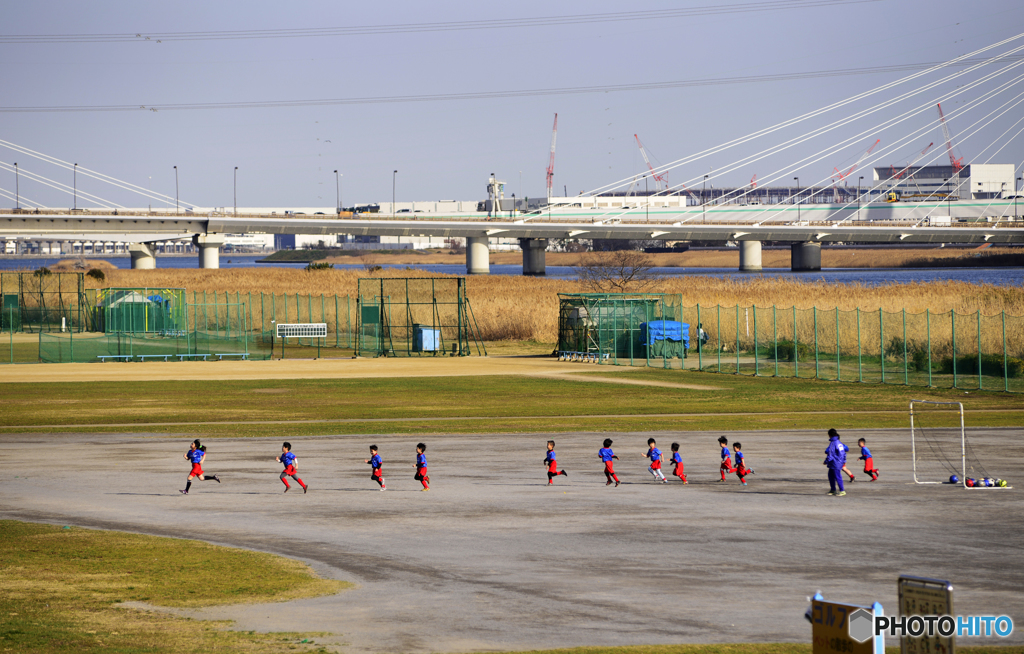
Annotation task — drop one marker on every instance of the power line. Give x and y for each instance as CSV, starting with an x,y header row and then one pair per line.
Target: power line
x,y
488,95
413,28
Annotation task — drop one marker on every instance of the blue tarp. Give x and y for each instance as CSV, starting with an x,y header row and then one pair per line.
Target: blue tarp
x,y
665,330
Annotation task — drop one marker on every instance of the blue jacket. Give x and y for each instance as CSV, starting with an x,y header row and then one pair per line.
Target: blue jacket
x,y
835,453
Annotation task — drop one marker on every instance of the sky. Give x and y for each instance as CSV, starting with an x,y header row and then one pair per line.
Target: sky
x,y
445,148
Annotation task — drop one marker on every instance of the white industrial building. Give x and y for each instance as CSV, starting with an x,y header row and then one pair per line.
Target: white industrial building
x,y
975,182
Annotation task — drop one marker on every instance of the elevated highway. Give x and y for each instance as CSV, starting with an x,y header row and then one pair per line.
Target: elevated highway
x,y
806,227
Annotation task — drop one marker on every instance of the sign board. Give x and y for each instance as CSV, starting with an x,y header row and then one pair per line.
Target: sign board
x,y
302,330
844,628
922,596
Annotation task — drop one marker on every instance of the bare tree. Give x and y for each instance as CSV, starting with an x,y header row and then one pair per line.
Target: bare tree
x,y
620,271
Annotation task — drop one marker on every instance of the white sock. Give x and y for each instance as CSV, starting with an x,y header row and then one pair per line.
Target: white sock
x,y
653,473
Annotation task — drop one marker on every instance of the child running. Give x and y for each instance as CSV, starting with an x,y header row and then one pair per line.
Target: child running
x,y
288,459
726,457
835,459
654,454
869,462
606,455
376,462
421,467
196,455
741,466
678,462
551,461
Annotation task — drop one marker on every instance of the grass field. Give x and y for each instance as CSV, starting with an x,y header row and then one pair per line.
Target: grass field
x,y
593,401
60,590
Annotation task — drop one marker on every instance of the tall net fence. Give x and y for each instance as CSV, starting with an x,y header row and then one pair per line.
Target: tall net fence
x,y
415,317
43,302
626,328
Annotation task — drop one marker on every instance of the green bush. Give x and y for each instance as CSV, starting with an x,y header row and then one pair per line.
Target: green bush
x,y
96,274
319,265
43,272
787,349
991,364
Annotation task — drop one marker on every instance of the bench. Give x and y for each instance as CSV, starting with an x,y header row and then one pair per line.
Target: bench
x,y
143,357
104,357
589,357
182,357
244,355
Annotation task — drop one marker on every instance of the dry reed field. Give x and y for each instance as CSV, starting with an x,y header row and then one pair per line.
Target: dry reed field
x,y
526,308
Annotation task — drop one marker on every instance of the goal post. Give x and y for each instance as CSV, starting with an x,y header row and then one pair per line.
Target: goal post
x,y
943,439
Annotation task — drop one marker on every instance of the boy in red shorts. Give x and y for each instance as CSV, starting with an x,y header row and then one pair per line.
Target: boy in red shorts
x,y
196,455
869,462
289,460
606,455
376,463
726,457
421,466
654,454
741,466
551,461
677,461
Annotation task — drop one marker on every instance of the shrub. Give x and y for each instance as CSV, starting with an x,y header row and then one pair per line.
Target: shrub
x,y
788,348
96,274
319,265
991,364
42,272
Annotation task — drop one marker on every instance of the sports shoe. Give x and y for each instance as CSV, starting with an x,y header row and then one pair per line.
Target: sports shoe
x,y
664,481
851,479
841,493
287,488
563,472
616,484
608,483
184,492
425,489
305,489
831,492
743,483
550,483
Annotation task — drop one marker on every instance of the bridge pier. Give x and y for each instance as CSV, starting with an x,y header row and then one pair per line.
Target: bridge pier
x,y
750,256
478,256
533,255
143,256
209,249
805,256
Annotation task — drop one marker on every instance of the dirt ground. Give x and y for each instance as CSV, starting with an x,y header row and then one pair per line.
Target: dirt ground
x,y
493,558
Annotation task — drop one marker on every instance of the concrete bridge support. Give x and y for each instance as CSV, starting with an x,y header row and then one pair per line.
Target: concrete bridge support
x,y
143,256
750,256
533,255
478,257
209,249
805,256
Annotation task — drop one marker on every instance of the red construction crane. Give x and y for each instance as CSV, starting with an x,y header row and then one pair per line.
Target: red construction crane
x,y
841,176
551,162
753,181
957,164
898,174
659,179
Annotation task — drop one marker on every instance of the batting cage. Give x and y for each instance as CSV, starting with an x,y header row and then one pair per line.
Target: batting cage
x,y
621,328
42,301
415,317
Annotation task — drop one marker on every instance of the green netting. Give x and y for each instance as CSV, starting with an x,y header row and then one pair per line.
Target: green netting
x,y
69,348
415,317
139,310
43,302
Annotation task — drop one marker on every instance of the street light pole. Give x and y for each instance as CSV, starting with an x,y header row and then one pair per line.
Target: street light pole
x,y
337,191
17,191
236,190
394,177
859,180
703,201
1015,194
76,188
176,205
797,198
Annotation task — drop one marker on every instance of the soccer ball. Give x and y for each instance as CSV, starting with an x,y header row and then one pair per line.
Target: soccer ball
x,y
970,482
1001,483
989,482
953,479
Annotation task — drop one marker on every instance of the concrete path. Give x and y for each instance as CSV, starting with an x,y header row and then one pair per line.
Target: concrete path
x,y
493,558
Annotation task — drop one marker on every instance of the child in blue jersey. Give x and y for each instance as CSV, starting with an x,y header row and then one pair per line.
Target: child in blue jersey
x,y
654,454
835,459
421,466
376,463
726,457
289,460
196,455
551,461
678,462
869,462
741,465
606,455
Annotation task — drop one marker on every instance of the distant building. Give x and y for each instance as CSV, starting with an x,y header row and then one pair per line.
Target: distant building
x,y
975,182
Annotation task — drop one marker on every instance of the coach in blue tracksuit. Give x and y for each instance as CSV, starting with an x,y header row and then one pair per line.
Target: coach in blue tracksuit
x,y
835,459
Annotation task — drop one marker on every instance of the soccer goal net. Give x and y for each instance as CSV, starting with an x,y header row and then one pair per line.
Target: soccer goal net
x,y
942,450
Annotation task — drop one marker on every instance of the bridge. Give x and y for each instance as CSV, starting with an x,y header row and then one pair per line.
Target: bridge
x,y
805,227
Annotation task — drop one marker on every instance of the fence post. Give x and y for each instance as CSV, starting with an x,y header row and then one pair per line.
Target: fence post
x,y
754,307
1006,372
952,317
718,329
928,330
775,339
906,373
700,344
839,376
796,348
860,361
817,365
737,338
979,349
881,342
72,338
